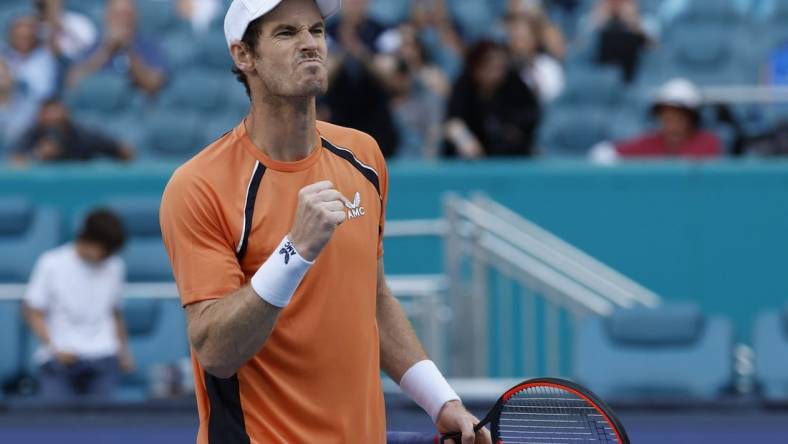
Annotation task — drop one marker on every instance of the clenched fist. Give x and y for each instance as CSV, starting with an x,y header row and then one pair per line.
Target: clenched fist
x,y
320,211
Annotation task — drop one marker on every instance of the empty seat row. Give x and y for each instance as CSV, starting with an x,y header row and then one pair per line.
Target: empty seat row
x,y
27,230
675,353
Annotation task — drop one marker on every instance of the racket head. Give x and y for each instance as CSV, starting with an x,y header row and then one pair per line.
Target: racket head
x,y
556,409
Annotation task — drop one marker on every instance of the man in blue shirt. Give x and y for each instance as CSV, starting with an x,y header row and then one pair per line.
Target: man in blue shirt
x,y
124,51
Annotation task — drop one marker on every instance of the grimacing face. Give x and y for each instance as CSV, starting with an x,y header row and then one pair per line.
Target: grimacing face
x,y
291,54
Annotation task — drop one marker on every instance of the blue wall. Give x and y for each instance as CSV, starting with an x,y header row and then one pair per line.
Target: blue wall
x,y
716,233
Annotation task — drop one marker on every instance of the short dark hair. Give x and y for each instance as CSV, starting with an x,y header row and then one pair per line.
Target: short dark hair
x,y
105,228
251,38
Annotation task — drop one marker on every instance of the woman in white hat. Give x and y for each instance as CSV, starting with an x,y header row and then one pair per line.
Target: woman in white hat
x,y
679,133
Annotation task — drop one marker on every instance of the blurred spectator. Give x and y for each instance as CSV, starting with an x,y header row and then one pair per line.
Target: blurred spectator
x,y
199,14
72,304
620,35
70,34
438,34
17,111
539,70
31,63
549,39
418,91
677,109
770,143
54,137
357,96
491,112
124,51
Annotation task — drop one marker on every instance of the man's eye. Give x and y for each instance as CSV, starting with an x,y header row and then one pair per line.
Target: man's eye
x,y
318,31
285,33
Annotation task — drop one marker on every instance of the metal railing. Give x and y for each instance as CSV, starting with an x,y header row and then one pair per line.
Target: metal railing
x,y
422,297
508,283
517,291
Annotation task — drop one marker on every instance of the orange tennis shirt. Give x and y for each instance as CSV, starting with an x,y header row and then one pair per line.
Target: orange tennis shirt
x,y
317,378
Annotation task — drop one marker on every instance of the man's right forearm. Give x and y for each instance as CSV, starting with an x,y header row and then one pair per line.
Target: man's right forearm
x,y
227,332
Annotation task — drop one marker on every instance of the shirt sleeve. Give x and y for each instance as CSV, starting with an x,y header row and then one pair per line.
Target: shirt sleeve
x,y
203,260
37,291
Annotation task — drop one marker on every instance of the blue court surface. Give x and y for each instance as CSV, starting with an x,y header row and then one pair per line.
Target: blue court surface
x,y
168,424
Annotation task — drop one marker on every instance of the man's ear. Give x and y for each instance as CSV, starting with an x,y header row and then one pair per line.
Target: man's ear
x,y
242,56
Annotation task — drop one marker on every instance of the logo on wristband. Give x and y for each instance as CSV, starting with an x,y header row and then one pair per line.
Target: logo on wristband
x,y
287,251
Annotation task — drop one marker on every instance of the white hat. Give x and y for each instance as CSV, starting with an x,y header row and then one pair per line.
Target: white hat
x,y
243,12
679,93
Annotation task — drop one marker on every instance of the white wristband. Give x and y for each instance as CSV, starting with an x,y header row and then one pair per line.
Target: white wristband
x,y
425,385
278,278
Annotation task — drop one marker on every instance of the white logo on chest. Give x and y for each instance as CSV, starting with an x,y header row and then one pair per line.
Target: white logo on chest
x,y
354,209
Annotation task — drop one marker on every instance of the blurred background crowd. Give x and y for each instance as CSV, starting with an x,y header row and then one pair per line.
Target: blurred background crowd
x,y
117,93
150,79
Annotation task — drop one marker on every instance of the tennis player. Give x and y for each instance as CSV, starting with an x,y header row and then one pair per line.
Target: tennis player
x,y
274,233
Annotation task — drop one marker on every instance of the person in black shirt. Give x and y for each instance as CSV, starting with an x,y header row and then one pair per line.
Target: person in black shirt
x,y
621,38
54,137
491,111
358,96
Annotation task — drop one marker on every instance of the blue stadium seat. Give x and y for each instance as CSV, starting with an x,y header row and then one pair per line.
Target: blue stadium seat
x,y
573,131
114,96
145,257
214,53
179,49
592,85
156,17
672,352
717,11
157,336
708,54
181,94
26,231
389,13
475,18
770,343
173,136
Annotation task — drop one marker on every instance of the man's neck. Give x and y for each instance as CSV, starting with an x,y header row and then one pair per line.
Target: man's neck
x,y
283,128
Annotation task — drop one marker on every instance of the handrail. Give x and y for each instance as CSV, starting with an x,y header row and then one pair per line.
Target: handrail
x,y
570,259
576,294
559,261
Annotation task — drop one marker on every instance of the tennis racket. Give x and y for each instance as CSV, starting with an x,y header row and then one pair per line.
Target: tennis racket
x,y
552,411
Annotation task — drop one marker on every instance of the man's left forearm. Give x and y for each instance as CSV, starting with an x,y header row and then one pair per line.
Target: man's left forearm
x,y
400,348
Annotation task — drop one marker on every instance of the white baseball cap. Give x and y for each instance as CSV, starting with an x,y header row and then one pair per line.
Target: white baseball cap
x,y
242,12
679,93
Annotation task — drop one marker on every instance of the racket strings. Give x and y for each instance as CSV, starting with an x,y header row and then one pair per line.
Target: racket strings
x,y
550,415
